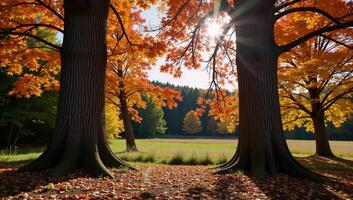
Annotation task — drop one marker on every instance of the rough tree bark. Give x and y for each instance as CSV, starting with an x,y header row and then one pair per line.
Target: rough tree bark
x,y
318,117
79,140
128,131
125,116
262,148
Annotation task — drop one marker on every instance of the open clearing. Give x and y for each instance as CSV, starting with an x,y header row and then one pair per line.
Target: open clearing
x,y
209,151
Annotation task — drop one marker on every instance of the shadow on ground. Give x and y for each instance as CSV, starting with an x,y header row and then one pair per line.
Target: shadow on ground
x,y
338,185
14,183
318,163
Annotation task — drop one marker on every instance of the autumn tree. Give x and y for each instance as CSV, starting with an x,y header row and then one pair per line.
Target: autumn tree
x,y
192,123
225,109
79,140
247,40
128,62
316,87
225,127
113,124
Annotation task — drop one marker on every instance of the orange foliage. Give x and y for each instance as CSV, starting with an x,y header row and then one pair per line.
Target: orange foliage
x,y
223,108
318,71
184,28
129,58
35,63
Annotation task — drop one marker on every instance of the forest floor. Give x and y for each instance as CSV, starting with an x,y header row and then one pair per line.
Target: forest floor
x,y
155,181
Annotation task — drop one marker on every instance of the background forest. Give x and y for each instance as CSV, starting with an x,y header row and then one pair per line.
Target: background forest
x,y
27,120
82,112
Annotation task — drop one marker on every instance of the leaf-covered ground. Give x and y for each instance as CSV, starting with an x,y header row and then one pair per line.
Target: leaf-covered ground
x,y
179,182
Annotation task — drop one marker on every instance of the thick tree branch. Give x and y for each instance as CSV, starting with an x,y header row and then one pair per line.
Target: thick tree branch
x,y
35,26
289,46
123,30
32,36
308,9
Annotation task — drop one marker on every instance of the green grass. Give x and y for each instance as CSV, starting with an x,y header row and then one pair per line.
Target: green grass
x,y
18,158
178,151
185,151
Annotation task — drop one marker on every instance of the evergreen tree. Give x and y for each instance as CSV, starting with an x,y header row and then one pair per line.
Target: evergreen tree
x,y
211,128
152,120
205,122
18,116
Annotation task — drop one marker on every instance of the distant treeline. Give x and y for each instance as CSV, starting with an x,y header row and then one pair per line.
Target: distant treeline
x,y
174,117
174,120
24,121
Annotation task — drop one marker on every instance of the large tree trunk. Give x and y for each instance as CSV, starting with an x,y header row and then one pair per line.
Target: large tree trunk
x,y
128,131
318,117
79,140
321,138
262,148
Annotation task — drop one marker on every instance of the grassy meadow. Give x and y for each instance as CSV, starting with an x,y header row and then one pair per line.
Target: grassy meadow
x,y
186,151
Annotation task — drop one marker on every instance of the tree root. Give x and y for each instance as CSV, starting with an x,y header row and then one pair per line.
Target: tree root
x,y
64,158
281,163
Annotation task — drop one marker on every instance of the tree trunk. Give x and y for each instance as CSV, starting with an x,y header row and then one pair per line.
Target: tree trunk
x,y
321,138
262,149
18,132
9,139
129,133
79,140
318,117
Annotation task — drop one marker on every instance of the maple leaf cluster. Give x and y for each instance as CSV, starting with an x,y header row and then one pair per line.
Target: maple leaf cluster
x,y
28,45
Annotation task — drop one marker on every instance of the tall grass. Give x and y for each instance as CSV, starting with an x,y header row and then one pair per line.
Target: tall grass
x,y
179,158
139,157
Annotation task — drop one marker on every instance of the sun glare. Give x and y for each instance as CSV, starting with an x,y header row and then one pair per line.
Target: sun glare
x,y
214,29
